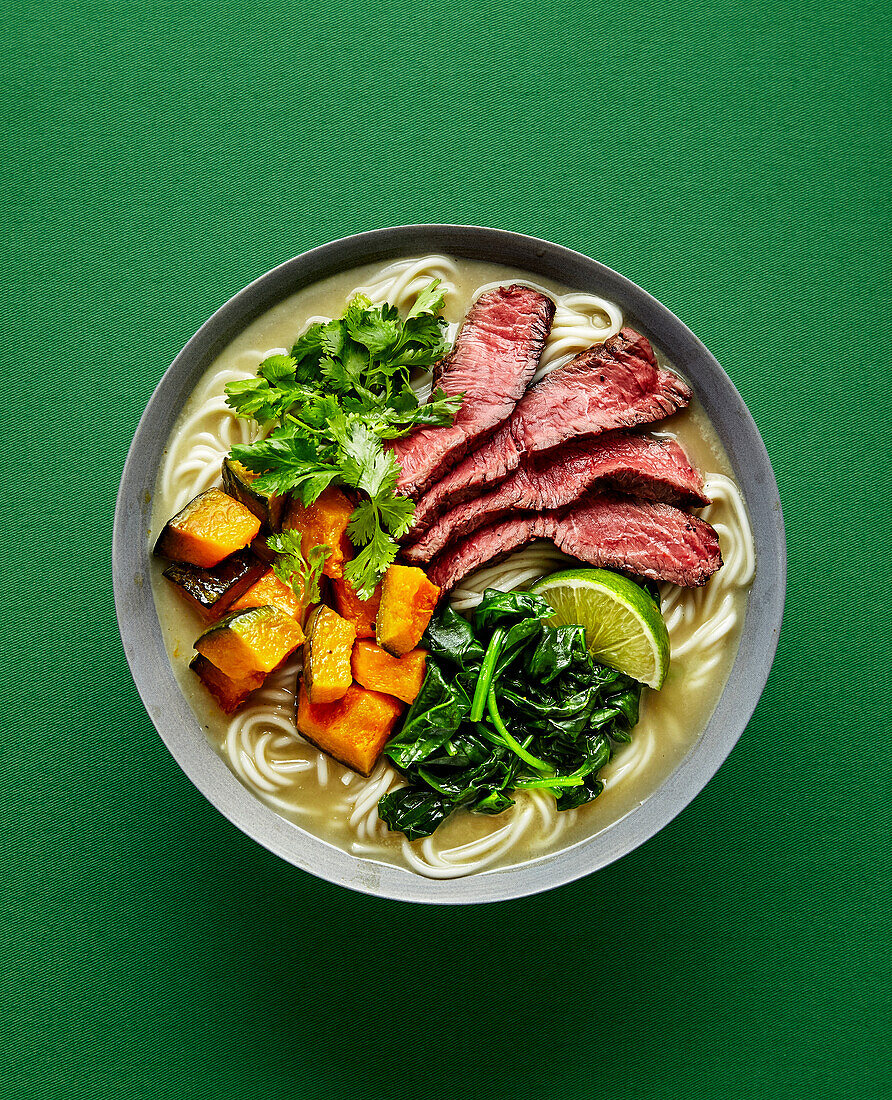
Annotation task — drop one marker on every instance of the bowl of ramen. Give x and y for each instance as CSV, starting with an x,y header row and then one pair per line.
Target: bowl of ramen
x,y
449,564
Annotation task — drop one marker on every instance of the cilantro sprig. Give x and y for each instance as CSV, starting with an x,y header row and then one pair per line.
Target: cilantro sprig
x,y
299,570
328,407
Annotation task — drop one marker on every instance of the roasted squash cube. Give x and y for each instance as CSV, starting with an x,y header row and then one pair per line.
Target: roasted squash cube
x,y
327,652
268,590
324,523
376,669
212,591
354,729
209,529
255,640
238,482
408,600
230,694
362,613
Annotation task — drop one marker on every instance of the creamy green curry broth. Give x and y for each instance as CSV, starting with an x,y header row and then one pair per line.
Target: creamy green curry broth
x,y
671,719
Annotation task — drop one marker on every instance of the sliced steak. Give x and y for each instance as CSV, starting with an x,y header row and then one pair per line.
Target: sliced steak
x,y
614,385
495,355
605,530
648,468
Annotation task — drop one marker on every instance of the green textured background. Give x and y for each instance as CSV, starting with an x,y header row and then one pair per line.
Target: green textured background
x,y
732,158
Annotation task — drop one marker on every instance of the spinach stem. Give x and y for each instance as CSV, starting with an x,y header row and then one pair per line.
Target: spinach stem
x,y
514,745
547,782
484,680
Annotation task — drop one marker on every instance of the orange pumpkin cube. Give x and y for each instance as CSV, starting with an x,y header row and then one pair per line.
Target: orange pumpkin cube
x,y
376,669
408,600
354,729
272,592
209,529
362,613
324,523
327,652
254,640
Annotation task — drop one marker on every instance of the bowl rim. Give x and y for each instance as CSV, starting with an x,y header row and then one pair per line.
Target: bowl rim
x,y
180,729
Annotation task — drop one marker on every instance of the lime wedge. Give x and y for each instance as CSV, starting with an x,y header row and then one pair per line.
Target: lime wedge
x,y
623,626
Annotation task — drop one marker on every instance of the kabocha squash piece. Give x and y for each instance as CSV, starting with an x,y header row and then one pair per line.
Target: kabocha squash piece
x,y
269,590
238,482
324,523
212,591
354,729
209,529
327,652
376,669
255,640
230,694
408,600
362,613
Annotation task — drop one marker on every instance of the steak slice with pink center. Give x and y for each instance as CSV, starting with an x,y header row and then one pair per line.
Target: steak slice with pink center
x,y
648,468
605,530
495,355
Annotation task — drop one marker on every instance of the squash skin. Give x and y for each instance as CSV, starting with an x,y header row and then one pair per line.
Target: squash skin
x,y
213,591
237,482
354,729
268,589
408,600
230,694
327,673
254,641
211,527
378,670
324,523
362,613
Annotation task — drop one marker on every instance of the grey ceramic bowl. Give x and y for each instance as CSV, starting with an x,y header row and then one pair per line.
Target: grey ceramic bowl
x,y
141,632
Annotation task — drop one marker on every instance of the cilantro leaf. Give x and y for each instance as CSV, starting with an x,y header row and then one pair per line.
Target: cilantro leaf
x,y
426,330
332,338
252,399
375,330
286,465
396,514
430,300
345,372
439,410
366,569
308,343
278,368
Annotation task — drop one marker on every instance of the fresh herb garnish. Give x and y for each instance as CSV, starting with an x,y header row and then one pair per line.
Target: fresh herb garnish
x,y
509,702
300,571
330,404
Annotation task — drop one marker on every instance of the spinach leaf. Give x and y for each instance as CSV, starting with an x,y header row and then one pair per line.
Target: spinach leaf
x,y
449,637
415,811
433,718
504,608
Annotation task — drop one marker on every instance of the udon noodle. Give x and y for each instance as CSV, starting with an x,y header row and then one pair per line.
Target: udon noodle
x,y
261,743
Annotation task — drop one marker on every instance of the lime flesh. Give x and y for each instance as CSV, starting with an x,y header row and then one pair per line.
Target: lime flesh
x,y
623,626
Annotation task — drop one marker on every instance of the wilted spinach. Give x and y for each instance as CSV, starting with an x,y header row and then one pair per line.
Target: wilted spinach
x,y
509,702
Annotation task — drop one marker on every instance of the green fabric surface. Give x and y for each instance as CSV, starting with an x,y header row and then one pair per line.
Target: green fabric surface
x,y
733,159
